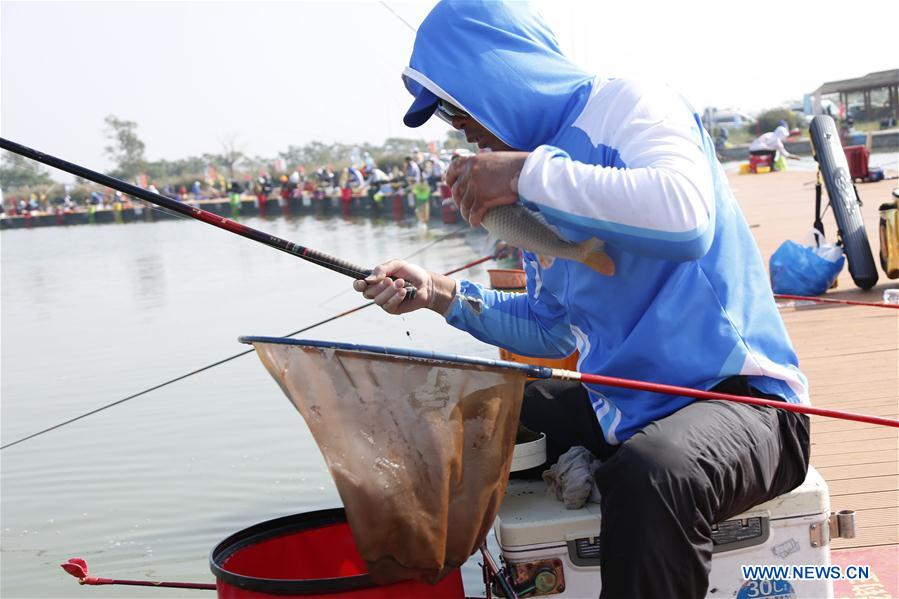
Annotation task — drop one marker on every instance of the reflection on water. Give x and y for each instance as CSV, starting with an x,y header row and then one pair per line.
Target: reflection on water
x,y
92,314
148,281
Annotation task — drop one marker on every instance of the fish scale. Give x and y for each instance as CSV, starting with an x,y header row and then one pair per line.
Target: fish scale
x,y
519,227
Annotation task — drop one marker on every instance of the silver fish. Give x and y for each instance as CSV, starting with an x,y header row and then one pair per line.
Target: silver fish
x,y
519,227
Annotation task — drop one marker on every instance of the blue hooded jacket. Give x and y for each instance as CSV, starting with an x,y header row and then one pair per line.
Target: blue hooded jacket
x,y
629,163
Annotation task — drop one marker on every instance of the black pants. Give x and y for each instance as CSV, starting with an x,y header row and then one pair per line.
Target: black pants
x,y
664,488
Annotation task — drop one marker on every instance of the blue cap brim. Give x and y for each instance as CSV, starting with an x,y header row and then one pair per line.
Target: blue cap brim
x,y
422,108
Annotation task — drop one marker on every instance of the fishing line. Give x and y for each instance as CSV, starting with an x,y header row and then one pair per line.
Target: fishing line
x,y
398,16
214,364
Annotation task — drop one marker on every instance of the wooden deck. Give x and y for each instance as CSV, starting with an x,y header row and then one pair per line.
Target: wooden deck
x,y
850,355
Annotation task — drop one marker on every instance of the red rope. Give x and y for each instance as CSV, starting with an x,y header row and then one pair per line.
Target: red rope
x,y
686,391
823,300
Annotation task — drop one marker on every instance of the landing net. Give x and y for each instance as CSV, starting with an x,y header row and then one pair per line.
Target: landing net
x,y
419,447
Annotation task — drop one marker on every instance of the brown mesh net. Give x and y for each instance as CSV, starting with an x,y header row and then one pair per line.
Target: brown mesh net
x,y
419,449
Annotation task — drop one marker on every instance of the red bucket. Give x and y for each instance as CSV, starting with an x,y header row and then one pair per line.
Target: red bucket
x,y
309,555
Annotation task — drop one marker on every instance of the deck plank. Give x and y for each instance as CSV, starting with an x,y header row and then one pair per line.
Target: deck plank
x,y
862,485
854,457
865,434
864,501
863,470
822,447
881,516
868,537
832,425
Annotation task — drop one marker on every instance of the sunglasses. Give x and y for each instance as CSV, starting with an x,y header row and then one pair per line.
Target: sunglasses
x,y
447,112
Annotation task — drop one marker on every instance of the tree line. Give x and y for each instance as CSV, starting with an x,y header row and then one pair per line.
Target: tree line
x,y
127,151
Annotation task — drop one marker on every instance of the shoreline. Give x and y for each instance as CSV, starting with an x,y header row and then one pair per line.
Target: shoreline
x,y
396,207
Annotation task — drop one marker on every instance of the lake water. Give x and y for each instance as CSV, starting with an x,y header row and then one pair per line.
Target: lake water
x,y
144,490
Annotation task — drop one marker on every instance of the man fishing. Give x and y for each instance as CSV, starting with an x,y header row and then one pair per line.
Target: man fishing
x,y
664,284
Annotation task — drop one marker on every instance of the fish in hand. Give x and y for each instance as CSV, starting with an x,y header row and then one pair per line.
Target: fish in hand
x,y
520,227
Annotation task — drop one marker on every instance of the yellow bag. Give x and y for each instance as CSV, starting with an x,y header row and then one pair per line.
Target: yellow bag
x,y
889,239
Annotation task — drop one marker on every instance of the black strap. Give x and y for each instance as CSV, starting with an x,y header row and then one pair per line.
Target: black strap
x,y
819,224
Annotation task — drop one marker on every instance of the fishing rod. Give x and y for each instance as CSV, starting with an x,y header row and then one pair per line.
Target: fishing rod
x,y
316,257
545,372
77,567
219,362
597,379
824,300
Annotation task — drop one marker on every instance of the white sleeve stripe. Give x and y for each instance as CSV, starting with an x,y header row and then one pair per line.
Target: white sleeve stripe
x,y
639,200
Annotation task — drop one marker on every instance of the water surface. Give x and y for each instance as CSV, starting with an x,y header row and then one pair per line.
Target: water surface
x,y
92,314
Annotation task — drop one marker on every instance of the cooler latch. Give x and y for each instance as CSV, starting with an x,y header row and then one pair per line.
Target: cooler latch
x,y
737,534
584,552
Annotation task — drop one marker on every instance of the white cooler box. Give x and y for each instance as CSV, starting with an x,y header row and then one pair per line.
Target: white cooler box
x,y
549,550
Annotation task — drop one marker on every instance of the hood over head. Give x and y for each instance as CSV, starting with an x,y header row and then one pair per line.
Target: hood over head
x,y
500,63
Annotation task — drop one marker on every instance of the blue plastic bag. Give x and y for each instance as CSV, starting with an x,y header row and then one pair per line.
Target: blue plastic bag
x,y
802,270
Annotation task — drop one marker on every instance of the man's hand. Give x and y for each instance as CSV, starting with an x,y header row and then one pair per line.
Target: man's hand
x,y
484,181
386,285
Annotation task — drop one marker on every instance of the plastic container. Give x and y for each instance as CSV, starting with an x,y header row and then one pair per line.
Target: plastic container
x,y
529,453
399,211
310,555
759,162
891,296
507,279
857,157
449,212
875,173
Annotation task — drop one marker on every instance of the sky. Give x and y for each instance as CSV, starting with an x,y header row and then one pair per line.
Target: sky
x,y
272,74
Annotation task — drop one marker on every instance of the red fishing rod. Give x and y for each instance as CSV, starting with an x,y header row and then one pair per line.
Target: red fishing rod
x,y
330,262
827,300
610,381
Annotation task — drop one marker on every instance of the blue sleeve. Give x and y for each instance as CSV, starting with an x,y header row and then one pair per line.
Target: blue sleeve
x,y
531,324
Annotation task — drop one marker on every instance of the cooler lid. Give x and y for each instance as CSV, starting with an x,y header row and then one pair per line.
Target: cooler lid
x,y
811,497
531,515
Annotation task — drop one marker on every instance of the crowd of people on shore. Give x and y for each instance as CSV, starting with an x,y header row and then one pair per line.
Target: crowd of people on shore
x,y
419,178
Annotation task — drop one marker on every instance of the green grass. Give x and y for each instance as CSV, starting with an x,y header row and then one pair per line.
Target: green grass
x,y
739,137
865,126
